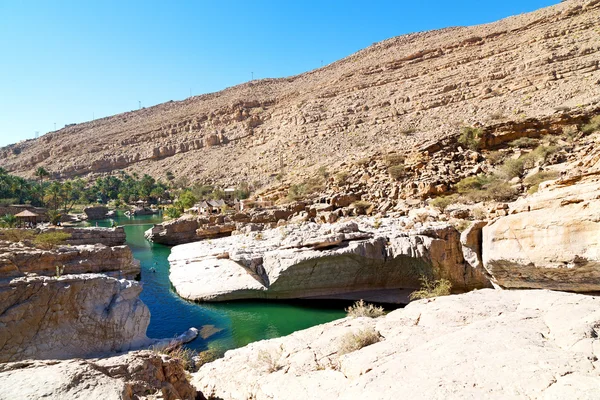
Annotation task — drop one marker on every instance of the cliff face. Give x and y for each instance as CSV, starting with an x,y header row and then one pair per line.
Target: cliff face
x,y
72,316
397,94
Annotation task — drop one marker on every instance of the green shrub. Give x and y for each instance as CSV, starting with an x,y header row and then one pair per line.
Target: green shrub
x,y
47,240
430,288
512,168
8,221
470,137
323,172
534,181
442,202
173,212
9,201
54,217
471,183
524,142
396,171
356,341
362,309
17,235
541,153
592,126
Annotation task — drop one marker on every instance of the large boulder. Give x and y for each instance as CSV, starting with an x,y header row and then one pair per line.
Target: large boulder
x,y
174,232
96,212
551,239
71,316
328,260
131,376
483,344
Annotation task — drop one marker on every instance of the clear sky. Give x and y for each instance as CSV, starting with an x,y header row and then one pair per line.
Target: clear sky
x,y
69,61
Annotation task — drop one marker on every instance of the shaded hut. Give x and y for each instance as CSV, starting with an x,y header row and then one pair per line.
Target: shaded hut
x,y
27,217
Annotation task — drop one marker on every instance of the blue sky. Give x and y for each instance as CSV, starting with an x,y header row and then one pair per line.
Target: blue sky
x,y
68,61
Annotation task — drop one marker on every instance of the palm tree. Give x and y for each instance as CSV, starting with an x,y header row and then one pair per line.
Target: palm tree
x,y
41,173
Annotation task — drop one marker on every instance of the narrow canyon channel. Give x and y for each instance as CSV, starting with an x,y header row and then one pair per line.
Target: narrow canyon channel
x,y
223,326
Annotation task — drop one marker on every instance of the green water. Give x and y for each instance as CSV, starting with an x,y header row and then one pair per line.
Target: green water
x,y
239,322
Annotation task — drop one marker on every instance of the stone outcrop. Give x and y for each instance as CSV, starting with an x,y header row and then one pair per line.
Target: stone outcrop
x,y
96,212
93,235
72,316
550,239
329,260
484,344
138,375
191,228
178,231
19,259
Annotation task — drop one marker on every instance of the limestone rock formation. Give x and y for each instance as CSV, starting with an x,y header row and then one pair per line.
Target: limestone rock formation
x,y
19,259
329,260
139,375
550,239
96,212
72,316
503,75
483,344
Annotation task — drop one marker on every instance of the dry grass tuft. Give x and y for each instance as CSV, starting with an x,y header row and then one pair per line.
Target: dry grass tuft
x,y
362,309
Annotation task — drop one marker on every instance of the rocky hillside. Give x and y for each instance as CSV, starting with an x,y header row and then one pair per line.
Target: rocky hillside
x,y
399,94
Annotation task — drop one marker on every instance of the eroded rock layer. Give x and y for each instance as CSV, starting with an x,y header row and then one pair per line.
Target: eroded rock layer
x,y
401,93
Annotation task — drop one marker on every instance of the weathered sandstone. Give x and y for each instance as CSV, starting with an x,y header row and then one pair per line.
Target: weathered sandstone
x,y
551,239
483,344
72,316
139,375
18,259
309,260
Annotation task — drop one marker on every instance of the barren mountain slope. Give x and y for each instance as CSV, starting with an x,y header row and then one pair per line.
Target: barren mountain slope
x,y
394,95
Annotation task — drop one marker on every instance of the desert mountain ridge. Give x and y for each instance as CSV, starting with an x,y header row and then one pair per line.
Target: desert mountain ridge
x,y
398,95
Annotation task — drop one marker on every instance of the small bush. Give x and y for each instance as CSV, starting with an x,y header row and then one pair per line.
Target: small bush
x,y
323,172
184,355
540,153
173,212
341,178
356,341
270,360
362,309
442,202
8,202
495,157
430,288
479,213
461,225
363,162
524,142
471,183
393,159
592,126
470,137
534,181
54,217
396,171
511,168
17,235
48,240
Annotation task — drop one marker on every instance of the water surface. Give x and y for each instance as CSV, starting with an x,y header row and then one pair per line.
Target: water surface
x,y
230,324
